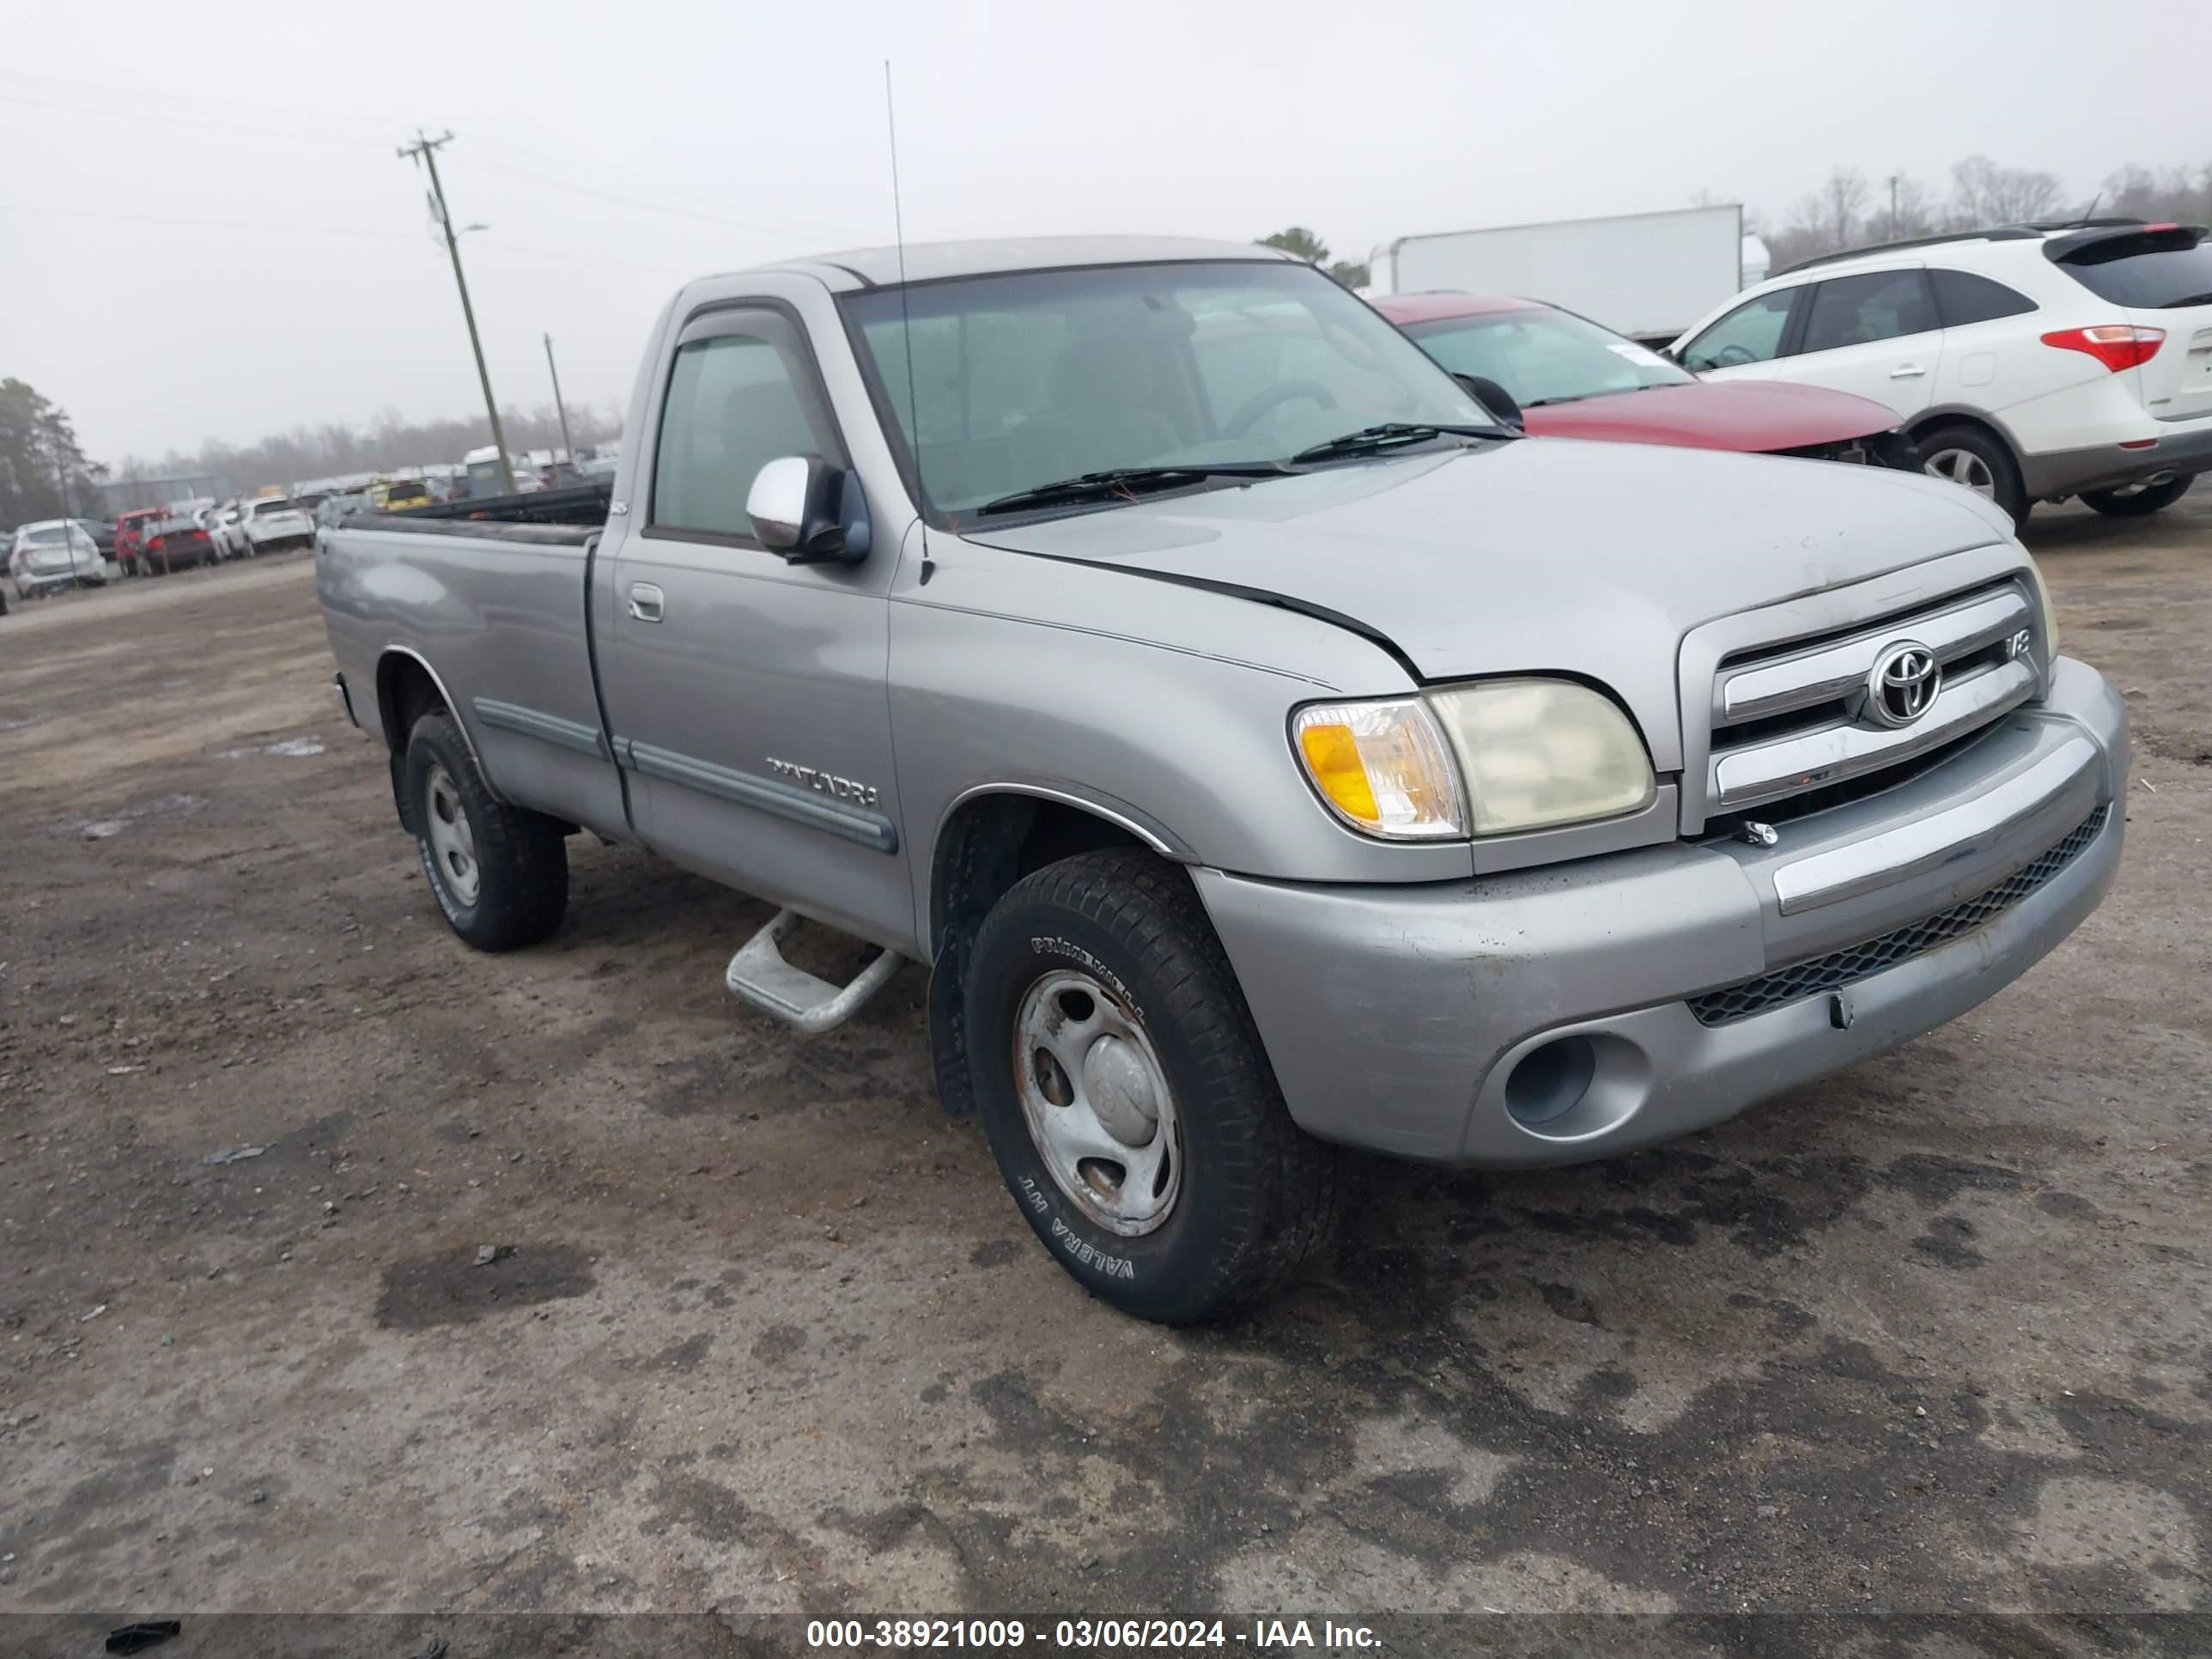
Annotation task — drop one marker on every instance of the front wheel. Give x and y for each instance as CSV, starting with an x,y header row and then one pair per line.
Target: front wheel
x,y
1127,1100
2139,501
1968,455
499,872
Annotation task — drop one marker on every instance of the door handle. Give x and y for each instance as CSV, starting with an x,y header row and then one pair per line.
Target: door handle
x,y
1906,372
645,601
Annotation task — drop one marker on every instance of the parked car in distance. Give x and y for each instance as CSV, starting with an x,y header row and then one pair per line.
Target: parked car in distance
x,y
2029,362
1261,746
275,523
1571,378
398,495
131,538
225,524
102,533
52,555
178,543
331,509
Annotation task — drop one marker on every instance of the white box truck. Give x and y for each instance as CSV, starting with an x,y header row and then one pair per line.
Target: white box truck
x,y
1648,276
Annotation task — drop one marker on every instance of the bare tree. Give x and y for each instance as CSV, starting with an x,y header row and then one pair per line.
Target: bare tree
x,y
1843,199
1982,193
1904,206
2179,194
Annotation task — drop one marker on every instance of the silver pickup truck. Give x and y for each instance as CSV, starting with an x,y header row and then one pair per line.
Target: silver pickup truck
x,y
1261,746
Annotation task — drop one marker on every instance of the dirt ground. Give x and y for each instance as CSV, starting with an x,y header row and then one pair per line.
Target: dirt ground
x,y
766,1335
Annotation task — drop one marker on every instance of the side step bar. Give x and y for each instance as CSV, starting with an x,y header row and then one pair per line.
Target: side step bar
x,y
759,974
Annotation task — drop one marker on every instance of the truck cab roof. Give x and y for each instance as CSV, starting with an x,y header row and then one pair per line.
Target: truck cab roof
x,y
929,262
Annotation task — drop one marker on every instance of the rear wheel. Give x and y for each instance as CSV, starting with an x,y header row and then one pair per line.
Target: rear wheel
x,y
2140,501
499,872
1971,457
1127,1098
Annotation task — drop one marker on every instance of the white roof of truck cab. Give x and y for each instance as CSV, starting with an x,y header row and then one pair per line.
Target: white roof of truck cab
x,y
929,262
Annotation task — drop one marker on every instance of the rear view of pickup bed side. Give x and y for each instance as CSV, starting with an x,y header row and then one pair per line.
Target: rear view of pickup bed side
x,y
1260,748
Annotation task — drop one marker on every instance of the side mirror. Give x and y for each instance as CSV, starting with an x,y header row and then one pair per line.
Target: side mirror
x,y
1492,397
809,511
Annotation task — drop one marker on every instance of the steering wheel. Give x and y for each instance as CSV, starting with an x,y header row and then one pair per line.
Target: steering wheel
x,y
1724,359
1273,396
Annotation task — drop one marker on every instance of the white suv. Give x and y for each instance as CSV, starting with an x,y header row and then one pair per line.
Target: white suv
x,y
2032,362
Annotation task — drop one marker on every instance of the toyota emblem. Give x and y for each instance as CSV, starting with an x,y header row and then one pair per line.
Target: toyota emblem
x,y
1905,681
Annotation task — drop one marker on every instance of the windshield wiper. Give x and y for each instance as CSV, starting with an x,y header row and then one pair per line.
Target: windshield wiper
x,y
2187,300
1391,433
1126,481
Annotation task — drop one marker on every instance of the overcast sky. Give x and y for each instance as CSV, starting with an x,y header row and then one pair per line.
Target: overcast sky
x,y
204,231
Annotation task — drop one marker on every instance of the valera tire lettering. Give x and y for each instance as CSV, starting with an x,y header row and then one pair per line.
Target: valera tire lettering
x,y
1113,1267
1045,944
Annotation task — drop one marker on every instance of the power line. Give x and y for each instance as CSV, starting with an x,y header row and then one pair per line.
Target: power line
x,y
630,199
195,113
373,128
171,119
106,215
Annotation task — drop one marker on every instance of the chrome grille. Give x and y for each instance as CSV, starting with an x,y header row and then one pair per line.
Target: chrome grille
x,y
1841,968
1794,718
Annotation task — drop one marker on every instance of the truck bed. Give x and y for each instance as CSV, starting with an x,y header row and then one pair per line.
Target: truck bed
x,y
565,515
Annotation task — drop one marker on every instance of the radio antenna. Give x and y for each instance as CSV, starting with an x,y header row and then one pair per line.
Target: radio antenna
x,y
906,321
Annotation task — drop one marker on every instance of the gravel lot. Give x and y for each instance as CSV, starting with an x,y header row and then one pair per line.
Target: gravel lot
x,y
766,1335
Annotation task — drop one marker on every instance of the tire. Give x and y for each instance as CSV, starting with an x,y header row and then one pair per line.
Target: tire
x,y
499,872
1114,948
2139,501
1976,461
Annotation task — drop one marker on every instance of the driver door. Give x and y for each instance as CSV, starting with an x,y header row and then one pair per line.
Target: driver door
x,y
746,695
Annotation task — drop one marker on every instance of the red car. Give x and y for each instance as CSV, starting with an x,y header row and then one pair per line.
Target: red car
x,y
1571,378
131,538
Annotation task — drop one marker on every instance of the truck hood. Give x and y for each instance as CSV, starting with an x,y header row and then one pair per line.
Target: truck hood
x,y
1743,414
1539,555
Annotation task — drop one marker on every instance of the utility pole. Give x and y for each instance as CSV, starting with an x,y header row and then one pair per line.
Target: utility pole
x,y
1892,206
560,408
424,152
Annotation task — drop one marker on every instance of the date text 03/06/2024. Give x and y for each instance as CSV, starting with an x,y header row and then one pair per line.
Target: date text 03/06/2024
x,y
1258,1635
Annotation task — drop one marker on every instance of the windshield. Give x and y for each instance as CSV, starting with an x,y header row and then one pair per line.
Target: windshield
x,y
52,535
270,505
1541,355
1027,379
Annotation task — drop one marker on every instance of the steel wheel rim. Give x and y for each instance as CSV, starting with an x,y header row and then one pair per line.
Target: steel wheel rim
x,y
1963,466
452,839
1096,1101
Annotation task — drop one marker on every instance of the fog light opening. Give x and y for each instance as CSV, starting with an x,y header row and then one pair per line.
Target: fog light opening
x,y
1551,1080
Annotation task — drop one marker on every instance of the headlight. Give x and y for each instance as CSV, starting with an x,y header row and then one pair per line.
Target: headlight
x,y
1536,753
1531,754
1382,768
2050,611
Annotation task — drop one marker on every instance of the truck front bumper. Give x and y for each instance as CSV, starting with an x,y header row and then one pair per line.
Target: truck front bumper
x,y
1570,1012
